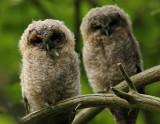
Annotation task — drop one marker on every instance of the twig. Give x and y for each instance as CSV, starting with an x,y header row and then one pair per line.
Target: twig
x,y
124,95
132,96
140,80
126,77
139,99
132,88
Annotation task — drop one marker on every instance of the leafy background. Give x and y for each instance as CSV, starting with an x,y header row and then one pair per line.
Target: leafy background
x,y
15,15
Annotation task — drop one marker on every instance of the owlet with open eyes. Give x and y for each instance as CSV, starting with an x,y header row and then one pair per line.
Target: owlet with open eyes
x,y
50,66
108,40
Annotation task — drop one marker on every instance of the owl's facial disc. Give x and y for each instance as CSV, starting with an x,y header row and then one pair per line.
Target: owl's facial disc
x,y
46,39
105,26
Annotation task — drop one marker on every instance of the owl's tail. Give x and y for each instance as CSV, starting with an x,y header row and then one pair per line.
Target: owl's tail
x,y
124,116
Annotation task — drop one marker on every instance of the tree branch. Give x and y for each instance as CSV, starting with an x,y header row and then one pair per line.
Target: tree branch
x,y
87,114
102,100
133,97
142,101
126,77
83,101
140,80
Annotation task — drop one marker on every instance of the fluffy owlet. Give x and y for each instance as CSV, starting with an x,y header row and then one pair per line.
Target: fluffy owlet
x,y
108,40
50,65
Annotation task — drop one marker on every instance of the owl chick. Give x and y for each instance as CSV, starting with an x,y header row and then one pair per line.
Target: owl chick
x,y
108,40
50,65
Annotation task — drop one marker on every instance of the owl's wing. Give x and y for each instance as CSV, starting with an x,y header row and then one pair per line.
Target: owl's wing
x,y
137,53
26,104
126,116
138,68
132,115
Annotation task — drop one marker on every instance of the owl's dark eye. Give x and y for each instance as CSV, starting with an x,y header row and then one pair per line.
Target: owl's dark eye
x,y
96,27
36,40
114,23
33,38
57,36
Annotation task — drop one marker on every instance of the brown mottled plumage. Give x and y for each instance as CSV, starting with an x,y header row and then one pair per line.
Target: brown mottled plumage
x,y
108,40
50,65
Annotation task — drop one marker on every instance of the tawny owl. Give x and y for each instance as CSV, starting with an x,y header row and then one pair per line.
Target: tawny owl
x,y
108,40
50,65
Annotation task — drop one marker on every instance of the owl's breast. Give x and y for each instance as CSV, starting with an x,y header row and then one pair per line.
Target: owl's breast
x,y
101,64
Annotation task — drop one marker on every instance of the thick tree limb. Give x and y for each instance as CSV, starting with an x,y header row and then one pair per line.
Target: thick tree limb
x,y
87,114
141,101
83,101
140,80
133,96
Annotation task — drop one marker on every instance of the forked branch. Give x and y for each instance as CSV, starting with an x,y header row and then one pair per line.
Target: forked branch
x,y
140,80
102,100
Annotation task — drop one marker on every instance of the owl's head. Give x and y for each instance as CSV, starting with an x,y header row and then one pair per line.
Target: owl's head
x,y
48,35
105,21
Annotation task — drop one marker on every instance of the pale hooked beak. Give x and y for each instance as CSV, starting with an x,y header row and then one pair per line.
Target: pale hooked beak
x,y
105,31
47,45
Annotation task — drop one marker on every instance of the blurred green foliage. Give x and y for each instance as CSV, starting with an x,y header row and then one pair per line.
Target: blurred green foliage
x,y
15,15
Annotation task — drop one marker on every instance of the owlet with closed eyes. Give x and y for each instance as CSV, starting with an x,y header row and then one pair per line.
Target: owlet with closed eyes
x,y
108,39
50,66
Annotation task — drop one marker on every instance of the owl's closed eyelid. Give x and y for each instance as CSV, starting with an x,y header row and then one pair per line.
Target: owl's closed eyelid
x,y
34,40
96,27
104,48
57,36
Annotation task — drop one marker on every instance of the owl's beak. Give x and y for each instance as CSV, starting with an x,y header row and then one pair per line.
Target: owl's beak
x,y
47,45
105,31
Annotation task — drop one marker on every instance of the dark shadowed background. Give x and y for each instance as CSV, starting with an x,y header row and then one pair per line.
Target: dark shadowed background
x,y
15,15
